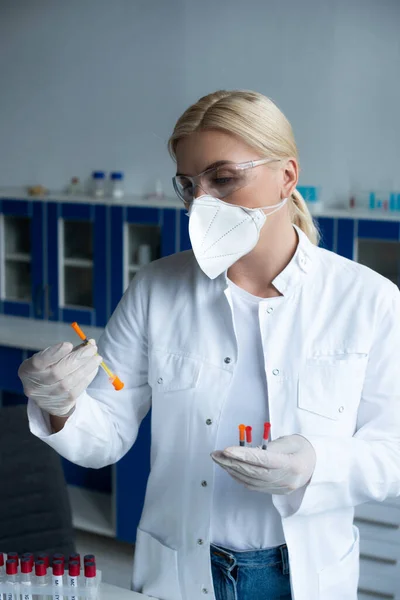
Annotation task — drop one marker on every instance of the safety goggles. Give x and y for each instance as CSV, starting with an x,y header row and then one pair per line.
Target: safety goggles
x,y
219,182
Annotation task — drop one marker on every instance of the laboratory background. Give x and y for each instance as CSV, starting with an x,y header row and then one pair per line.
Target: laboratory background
x,y
90,91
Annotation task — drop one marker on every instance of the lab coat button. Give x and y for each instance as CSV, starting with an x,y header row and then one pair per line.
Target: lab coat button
x,y
275,372
205,591
209,422
204,483
341,409
227,360
160,380
200,542
270,310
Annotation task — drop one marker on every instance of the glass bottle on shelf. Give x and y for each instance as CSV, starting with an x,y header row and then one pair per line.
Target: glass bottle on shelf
x,y
116,186
98,184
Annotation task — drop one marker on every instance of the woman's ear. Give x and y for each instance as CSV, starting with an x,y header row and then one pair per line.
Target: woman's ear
x,y
290,177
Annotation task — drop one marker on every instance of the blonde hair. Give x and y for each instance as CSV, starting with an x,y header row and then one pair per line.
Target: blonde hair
x,y
258,122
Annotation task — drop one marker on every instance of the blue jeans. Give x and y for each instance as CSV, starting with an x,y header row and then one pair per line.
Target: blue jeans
x,y
251,575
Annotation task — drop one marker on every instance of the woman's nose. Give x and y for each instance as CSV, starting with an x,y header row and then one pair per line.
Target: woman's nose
x,y
198,191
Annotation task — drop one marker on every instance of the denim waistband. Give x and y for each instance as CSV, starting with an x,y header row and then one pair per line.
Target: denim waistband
x,y
264,557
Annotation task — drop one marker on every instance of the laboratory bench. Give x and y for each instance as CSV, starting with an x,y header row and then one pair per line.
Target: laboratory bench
x,y
65,259
111,592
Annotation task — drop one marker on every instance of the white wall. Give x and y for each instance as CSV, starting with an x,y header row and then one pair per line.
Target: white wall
x,y
99,83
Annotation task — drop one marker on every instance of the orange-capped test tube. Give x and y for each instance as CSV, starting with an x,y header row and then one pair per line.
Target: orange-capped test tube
x,y
115,380
242,434
249,436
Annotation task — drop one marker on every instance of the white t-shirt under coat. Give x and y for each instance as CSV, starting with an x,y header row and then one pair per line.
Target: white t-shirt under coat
x,y
243,519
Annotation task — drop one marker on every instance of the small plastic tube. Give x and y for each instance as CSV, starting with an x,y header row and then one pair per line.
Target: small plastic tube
x,y
75,557
28,555
267,429
2,572
57,578
26,577
41,577
45,558
249,436
89,558
74,570
11,577
90,574
13,556
58,556
242,433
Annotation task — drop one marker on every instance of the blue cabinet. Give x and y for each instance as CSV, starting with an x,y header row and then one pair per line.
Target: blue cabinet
x,y
138,234
22,273
77,265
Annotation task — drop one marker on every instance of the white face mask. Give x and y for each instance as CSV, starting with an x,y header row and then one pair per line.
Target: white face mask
x,y
221,233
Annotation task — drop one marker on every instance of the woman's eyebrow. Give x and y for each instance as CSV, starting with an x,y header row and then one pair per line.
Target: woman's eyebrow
x,y
217,163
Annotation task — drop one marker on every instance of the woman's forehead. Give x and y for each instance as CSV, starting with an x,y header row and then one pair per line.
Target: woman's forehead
x,y
200,149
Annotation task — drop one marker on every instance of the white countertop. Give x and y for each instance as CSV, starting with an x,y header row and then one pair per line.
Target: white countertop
x,y
127,200
110,592
317,210
33,334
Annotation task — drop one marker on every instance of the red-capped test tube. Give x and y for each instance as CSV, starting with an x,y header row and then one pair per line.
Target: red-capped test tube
x,y
28,555
267,429
75,557
89,558
57,579
40,573
90,574
13,556
45,558
249,435
242,434
11,575
1,565
26,576
74,570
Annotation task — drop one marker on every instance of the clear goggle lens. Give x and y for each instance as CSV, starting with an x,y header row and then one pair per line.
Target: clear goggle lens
x,y
219,182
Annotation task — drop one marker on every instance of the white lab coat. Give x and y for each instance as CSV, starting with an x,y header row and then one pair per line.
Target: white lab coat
x,y
332,356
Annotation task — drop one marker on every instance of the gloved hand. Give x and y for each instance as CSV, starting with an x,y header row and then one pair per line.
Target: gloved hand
x,y
286,465
56,376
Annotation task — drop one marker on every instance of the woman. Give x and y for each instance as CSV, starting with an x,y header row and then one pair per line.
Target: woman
x,y
256,324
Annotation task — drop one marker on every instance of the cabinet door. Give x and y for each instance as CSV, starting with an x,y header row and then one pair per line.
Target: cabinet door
x,y
378,247
22,258
326,227
184,239
77,263
131,476
139,235
10,360
346,234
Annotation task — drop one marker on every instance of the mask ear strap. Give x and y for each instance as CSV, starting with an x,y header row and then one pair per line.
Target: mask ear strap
x,y
275,206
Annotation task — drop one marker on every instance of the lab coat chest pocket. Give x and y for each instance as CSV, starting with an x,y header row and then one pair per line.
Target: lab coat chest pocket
x,y
331,386
173,373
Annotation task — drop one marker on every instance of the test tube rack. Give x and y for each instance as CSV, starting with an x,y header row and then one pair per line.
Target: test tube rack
x,y
49,591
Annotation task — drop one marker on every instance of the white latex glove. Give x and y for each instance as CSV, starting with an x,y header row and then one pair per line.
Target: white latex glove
x,y
56,376
287,464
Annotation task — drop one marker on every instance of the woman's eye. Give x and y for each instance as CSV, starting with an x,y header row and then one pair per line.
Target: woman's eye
x,y
222,180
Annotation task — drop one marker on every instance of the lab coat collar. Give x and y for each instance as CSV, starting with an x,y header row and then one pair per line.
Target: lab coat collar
x,y
294,274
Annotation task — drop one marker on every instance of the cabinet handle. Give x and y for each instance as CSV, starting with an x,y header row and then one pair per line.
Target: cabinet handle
x,y
375,594
38,295
377,523
47,310
379,559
